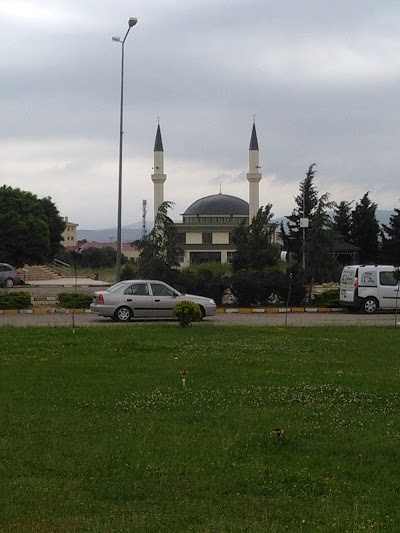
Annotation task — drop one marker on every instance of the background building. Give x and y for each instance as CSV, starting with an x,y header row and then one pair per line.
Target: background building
x,y
70,233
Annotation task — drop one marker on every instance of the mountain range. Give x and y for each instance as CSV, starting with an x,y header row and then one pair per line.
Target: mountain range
x,y
130,233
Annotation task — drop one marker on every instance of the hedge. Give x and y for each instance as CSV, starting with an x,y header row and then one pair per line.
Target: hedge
x,y
80,300
15,300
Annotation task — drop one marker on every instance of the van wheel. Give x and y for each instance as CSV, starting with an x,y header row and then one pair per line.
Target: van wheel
x,y
370,305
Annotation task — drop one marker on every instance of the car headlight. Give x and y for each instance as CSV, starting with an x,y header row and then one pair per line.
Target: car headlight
x,y
212,301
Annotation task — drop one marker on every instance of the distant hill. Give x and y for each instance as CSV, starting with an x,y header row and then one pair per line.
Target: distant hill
x,y
383,216
129,233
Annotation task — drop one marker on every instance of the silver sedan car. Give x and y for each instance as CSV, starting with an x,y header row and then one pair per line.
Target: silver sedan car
x,y
144,299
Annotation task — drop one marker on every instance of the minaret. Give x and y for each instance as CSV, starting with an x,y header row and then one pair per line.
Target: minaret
x,y
158,177
254,175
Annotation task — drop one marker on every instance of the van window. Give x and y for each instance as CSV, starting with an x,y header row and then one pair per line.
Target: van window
x,y
347,277
387,278
368,278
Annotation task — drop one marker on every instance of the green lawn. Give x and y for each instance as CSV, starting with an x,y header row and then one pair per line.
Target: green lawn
x,y
99,434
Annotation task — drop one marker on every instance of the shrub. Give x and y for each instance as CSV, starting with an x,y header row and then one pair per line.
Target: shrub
x,y
129,271
14,299
245,287
263,287
74,301
187,312
328,298
205,280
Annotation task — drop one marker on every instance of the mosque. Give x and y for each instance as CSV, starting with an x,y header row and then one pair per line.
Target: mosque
x,y
205,233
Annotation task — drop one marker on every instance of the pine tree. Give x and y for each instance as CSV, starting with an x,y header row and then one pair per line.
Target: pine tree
x,y
320,262
342,220
391,240
160,250
365,230
306,203
254,248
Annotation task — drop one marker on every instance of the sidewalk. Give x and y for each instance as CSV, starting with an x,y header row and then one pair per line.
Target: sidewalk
x,y
68,282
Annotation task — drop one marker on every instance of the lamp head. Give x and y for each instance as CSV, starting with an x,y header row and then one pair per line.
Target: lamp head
x,y
132,22
116,39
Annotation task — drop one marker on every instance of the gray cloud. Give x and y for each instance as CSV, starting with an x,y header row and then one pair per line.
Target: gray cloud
x,y
321,77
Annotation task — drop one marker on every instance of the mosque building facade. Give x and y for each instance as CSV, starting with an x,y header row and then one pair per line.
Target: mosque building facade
x,y
205,233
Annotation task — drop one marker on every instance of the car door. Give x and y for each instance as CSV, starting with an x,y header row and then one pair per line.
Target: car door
x,y
164,300
388,289
137,297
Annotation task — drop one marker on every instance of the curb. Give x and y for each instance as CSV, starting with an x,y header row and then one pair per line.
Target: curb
x,y
276,310
43,311
220,310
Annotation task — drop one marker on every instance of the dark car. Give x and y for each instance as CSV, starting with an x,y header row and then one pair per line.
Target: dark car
x,y
10,276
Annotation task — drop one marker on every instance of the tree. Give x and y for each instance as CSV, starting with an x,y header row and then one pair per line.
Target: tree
x,y
30,228
160,252
92,257
342,220
391,239
320,262
365,230
254,248
55,223
306,203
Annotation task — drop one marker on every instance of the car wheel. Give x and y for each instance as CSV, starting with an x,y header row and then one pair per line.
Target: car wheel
x,y
123,314
370,305
9,283
203,313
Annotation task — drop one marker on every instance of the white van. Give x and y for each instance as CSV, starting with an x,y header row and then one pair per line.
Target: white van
x,y
369,287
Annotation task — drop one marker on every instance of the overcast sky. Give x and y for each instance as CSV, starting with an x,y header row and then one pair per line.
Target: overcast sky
x,y
322,78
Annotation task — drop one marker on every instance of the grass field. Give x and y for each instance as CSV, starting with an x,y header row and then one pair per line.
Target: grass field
x,y
98,432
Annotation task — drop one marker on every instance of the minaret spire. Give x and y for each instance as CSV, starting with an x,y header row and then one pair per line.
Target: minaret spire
x,y
158,177
254,175
158,146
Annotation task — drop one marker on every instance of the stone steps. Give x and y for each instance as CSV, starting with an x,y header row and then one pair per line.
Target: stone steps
x,y
39,273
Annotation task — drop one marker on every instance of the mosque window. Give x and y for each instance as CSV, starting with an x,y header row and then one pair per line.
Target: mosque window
x,y
206,238
197,258
181,238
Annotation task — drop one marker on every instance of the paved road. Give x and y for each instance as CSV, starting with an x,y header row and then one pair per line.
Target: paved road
x,y
295,319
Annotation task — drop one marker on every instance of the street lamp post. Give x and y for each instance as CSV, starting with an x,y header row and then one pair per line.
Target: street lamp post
x,y
131,22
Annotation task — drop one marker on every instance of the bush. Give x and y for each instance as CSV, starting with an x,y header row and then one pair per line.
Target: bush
x,y
328,298
205,280
263,287
129,271
187,312
245,287
14,300
69,300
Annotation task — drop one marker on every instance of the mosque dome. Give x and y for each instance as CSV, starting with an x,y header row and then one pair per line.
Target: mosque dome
x,y
218,204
